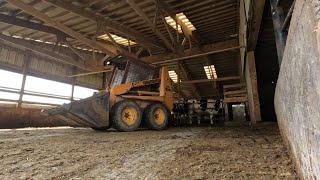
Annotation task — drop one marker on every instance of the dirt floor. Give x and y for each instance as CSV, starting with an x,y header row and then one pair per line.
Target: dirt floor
x,y
188,153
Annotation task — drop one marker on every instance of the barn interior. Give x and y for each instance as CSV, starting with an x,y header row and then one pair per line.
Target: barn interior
x,y
212,89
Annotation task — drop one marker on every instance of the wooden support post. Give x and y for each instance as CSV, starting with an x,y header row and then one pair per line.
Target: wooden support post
x,y
73,83
179,79
72,92
226,112
252,88
24,73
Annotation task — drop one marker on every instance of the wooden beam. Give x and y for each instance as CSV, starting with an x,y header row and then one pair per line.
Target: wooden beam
x,y
187,76
252,89
198,55
114,25
257,13
211,80
90,73
194,51
235,100
30,25
140,12
109,49
239,85
165,7
25,44
26,60
236,92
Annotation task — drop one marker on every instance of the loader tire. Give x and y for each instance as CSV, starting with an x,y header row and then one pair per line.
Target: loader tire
x,y
126,116
156,116
101,129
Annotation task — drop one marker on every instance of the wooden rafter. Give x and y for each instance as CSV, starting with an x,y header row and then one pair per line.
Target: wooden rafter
x,y
257,13
114,25
140,12
60,57
215,47
163,6
109,49
30,25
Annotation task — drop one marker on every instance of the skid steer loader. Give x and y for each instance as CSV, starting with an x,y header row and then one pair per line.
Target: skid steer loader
x,y
123,106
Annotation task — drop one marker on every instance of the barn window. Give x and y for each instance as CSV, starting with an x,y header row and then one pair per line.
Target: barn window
x,y
210,72
181,19
173,75
10,84
46,91
118,39
82,92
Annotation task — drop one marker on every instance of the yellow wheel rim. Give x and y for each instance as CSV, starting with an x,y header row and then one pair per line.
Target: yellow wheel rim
x,y
159,116
129,116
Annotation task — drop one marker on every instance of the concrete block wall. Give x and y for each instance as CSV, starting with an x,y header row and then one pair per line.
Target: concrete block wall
x,y
297,99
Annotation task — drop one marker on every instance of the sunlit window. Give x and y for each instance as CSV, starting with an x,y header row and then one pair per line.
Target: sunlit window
x,y
118,39
35,85
38,90
47,100
10,79
10,84
40,85
82,92
210,72
181,19
9,96
173,75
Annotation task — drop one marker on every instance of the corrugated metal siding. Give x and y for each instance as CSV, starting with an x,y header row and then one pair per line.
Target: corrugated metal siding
x,y
46,68
50,68
94,81
10,57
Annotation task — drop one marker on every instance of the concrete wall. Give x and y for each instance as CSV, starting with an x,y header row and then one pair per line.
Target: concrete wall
x,y
297,99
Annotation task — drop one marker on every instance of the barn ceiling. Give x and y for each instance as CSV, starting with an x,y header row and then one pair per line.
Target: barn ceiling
x,y
80,23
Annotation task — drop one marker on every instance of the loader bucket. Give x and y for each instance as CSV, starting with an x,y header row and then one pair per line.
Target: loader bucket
x,y
90,112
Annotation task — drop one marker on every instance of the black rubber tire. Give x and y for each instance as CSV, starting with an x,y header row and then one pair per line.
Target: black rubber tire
x,y
116,116
101,129
150,119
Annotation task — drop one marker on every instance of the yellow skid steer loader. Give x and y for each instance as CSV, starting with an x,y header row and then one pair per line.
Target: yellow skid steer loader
x,y
124,106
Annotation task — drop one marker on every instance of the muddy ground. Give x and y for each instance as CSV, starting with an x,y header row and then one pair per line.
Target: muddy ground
x,y
188,153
